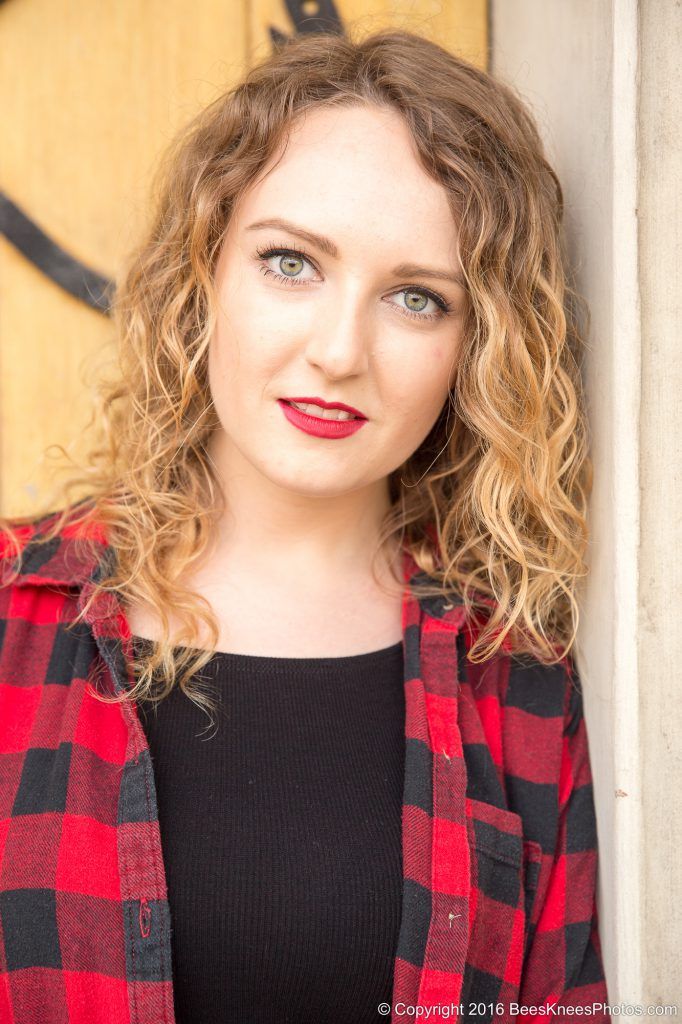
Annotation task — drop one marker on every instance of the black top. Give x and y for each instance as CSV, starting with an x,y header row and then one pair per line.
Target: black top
x,y
281,835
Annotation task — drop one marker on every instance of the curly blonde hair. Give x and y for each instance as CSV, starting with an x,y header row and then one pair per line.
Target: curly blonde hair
x,y
492,505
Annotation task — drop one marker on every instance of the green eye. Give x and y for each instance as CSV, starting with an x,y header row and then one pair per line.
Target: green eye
x,y
291,265
415,301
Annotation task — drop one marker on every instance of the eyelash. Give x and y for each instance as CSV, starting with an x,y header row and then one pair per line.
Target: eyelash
x,y
271,250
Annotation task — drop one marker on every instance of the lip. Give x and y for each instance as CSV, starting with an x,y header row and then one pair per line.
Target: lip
x,y
327,405
317,426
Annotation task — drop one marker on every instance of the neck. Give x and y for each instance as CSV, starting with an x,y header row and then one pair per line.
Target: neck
x,y
288,534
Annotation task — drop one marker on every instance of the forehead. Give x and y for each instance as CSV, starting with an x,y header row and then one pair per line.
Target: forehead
x,y
354,170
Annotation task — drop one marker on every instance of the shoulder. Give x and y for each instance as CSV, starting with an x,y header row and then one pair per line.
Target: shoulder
x,y
542,690
20,541
527,691
522,684
541,703
16,534
56,548
43,565
513,690
42,637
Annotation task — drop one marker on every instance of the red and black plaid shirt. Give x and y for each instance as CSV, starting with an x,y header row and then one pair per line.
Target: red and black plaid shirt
x,y
499,837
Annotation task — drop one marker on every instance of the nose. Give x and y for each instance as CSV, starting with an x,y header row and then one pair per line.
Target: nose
x,y
340,340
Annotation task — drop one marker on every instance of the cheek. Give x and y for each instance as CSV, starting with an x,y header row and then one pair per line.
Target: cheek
x,y
421,384
414,397
244,365
444,359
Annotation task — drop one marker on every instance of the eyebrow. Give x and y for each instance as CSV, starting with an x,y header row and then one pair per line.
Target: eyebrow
x,y
330,249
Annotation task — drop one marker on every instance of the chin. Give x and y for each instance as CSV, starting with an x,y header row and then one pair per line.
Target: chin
x,y
310,482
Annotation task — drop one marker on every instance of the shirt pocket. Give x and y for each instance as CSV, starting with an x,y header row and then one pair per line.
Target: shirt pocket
x,y
504,880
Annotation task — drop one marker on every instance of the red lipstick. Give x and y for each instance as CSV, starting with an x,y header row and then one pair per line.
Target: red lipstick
x,y
316,425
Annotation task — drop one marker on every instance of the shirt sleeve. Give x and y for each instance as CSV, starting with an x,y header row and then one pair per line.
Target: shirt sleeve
x,y
563,961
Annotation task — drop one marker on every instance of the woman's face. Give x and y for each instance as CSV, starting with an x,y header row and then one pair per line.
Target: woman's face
x,y
338,281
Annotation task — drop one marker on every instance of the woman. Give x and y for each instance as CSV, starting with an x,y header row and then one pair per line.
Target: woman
x,y
342,480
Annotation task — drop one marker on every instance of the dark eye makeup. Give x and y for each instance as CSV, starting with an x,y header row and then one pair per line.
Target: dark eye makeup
x,y
267,252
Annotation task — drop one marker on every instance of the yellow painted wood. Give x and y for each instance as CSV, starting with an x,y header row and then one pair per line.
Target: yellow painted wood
x,y
92,93
459,25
